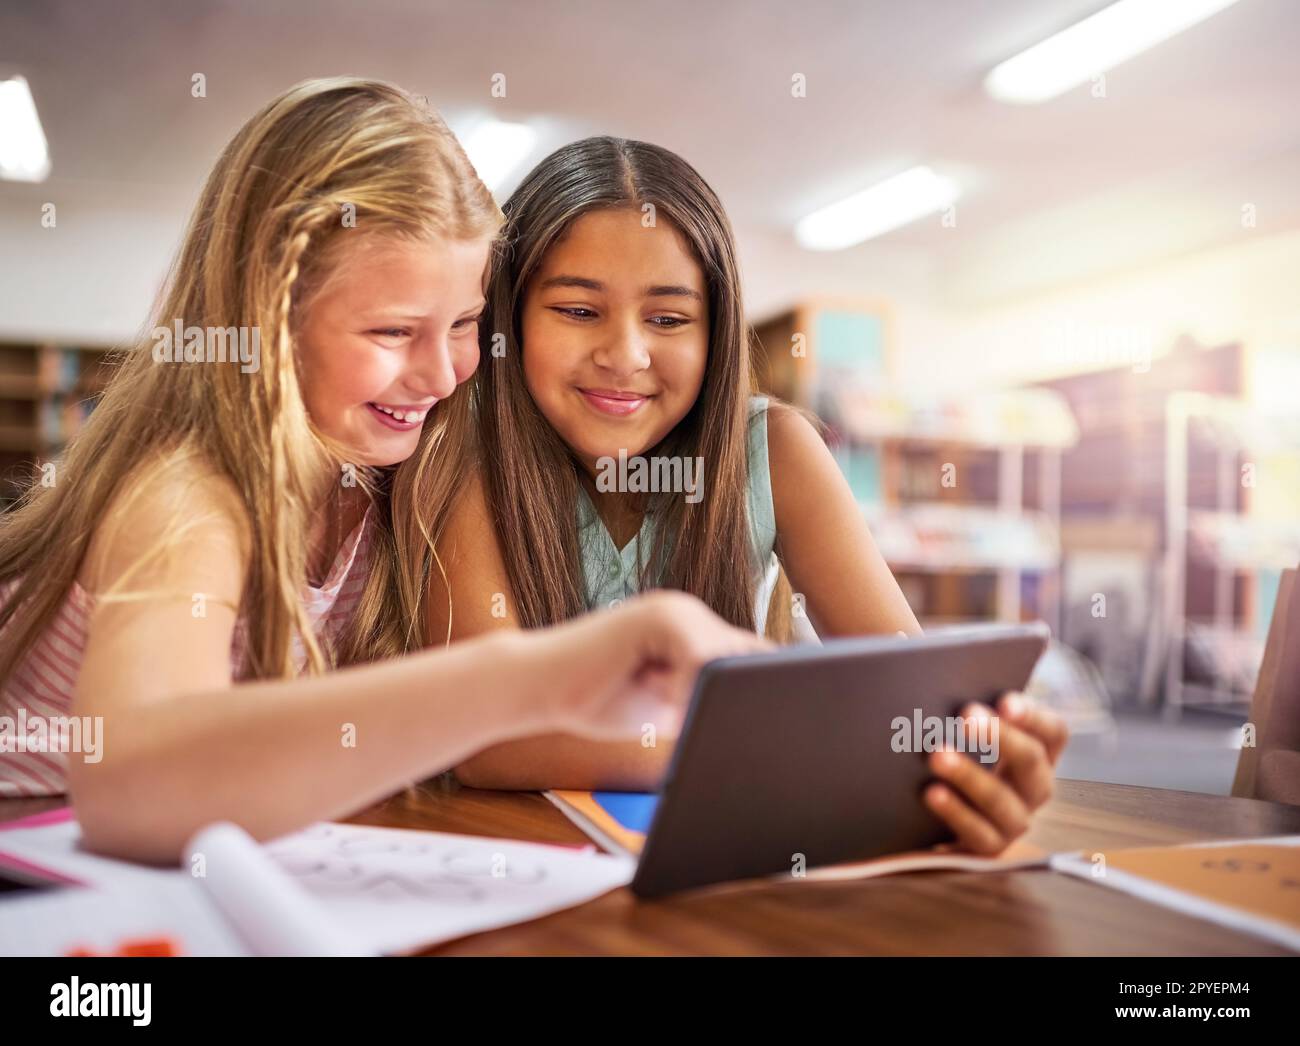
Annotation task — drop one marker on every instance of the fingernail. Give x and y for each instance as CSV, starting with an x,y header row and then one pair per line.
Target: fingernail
x,y
1013,705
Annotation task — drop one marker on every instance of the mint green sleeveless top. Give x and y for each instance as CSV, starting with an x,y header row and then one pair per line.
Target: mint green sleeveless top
x,y
612,574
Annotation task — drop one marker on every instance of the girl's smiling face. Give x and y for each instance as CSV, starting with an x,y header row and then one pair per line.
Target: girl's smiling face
x,y
615,327
392,330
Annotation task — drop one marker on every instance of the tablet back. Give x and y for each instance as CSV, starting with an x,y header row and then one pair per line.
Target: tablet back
x,y
794,753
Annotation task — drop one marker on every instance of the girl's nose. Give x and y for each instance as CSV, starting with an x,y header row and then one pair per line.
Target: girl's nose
x,y
624,352
433,370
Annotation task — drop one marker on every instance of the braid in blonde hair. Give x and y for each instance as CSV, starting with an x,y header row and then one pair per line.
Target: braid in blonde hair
x,y
283,527
257,242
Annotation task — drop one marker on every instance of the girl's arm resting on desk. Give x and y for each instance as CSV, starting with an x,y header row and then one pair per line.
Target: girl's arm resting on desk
x,y
183,747
476,573
828,555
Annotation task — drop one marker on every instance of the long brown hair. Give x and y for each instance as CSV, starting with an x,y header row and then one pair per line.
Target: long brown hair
x,y
530,475
264,230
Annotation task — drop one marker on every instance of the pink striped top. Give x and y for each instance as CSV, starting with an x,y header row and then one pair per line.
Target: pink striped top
x,y
42,684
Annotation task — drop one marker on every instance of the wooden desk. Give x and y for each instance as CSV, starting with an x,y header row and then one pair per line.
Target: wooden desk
x,y
1034,912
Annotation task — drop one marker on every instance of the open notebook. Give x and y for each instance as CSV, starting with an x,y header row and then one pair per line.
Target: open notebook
x,y
331,889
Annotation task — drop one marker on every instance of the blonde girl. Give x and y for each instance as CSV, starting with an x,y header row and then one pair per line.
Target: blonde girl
x,y
213,574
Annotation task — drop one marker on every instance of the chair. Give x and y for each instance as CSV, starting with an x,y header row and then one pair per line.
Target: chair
x,y
1271,769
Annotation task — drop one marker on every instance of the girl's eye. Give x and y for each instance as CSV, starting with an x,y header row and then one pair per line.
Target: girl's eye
x,y
668,321
466,323
391,332
575,312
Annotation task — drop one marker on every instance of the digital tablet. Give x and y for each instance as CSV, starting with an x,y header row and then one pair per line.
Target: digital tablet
x,y
819,754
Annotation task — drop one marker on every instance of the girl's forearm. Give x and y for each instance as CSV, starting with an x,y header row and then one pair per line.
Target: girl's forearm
x,y
275,756
567,762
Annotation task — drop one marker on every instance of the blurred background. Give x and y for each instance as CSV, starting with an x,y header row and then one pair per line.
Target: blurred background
x,y
1034,262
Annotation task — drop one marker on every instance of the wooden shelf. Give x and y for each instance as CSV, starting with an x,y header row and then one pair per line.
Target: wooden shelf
x,y
836,359
45,392
20,438
22,387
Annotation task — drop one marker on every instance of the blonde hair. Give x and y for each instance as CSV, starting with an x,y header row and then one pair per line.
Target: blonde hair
x,y
266,229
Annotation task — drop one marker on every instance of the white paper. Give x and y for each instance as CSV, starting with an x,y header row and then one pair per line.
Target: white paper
x,y
398,889
375,889
272,915
58,921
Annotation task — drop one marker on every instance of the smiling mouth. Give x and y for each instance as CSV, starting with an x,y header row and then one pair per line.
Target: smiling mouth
x,y
400,418
614,402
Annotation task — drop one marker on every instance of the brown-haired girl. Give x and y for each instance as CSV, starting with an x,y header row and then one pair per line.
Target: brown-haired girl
x,y
615,333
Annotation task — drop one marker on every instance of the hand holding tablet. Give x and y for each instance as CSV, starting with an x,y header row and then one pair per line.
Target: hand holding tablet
x,y
792,759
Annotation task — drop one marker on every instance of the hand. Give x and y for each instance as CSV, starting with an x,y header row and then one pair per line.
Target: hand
x,y
988,808
616,671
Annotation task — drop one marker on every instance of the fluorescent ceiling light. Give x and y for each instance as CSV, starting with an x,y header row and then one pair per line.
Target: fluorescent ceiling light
x,y
496,149
1111,36
894,202
24,155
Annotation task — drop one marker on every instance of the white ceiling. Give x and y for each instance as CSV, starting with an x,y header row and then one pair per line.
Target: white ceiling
x,y
1186,134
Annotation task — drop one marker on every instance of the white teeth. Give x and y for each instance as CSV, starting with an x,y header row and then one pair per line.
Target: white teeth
x,y
402,415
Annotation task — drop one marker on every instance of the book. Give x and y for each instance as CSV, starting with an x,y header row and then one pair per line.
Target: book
x,y
1246,884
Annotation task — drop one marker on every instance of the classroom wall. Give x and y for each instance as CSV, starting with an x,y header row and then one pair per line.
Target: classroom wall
x,y
93,277
1244,292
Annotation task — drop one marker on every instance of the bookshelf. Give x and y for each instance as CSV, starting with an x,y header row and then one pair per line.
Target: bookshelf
x,y
985,545
1159,519
961,494
1243,551
46,391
